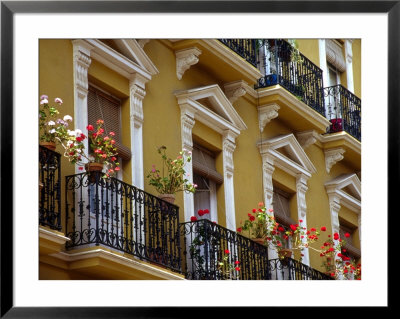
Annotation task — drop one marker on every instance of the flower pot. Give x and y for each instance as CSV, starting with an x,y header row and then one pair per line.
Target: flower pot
x,y
93,170
94,167
259,240
49,145
284,254
170,198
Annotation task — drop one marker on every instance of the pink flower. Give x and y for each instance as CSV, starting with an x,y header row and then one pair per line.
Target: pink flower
x,y
58,100
117,168
89,127
44,97
112,133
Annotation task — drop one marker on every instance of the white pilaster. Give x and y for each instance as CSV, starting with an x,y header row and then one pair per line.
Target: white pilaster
x,y
301,189
187,123
137,93
228,147
82,60
348,48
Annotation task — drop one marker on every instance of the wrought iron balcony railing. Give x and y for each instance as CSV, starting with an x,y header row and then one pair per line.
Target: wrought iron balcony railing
x,y
290,269
205,245
246,48
344,111
112,213
49,188
204,249
284,65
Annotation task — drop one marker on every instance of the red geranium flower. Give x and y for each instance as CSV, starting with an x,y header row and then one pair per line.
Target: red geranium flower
x,y
227,251
335,236
252,218
239,230
193,218
89,127
206,211
347,235
323,228
200,212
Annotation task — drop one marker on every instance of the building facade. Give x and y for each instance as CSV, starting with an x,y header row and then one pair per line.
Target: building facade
x,y
270,121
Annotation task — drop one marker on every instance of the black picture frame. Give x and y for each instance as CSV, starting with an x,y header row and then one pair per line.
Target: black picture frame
x,y
9,8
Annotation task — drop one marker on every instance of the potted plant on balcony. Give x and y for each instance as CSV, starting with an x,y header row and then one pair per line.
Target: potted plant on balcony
x,y
172,177
256,224
51,128
104,153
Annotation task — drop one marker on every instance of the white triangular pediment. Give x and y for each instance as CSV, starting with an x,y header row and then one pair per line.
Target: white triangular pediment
x,y
288,154
212,106
347,183
131,49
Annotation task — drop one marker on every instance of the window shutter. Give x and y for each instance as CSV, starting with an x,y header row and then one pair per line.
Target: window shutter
x,y
204,164
105,107
334,55
282,207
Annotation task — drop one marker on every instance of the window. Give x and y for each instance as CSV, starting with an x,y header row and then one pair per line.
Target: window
x,y
102,105
281,205
349,249
207,178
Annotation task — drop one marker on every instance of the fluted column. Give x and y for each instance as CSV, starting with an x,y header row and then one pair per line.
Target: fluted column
x,y
82,60
301,189
228,147
187,123
137,94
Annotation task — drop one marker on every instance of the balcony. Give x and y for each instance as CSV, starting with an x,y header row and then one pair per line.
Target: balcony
x,y
284,65
205,245
246,48
128,221
344,111
111,213
49,188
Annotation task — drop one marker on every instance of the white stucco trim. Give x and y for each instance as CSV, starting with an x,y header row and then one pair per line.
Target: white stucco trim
x,y
138,73
228,123
337,197
301,168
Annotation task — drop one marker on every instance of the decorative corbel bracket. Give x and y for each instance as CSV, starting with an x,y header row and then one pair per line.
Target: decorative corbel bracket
x,y
142,42
306,138
234,90
266,113
185,59
332,156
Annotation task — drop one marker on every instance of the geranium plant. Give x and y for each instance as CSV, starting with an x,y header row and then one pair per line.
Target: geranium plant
x,y
51,127
260,224
172,177
102,146
227,268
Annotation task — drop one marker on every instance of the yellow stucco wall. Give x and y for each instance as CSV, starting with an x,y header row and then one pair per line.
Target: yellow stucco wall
x,y
357,67
162,127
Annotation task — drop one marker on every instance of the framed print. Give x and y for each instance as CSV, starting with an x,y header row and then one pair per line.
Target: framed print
x,y
197,111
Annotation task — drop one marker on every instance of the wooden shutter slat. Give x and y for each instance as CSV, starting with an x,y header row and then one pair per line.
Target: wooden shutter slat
x,y
102,106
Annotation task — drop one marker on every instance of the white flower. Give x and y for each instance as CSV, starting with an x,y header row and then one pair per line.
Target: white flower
x,y
67,118
78,132
58,100
71,133
51,123
44,97
69,143
52,131
44,101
